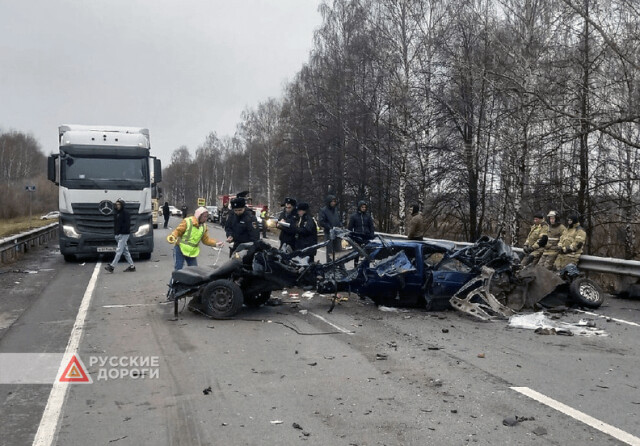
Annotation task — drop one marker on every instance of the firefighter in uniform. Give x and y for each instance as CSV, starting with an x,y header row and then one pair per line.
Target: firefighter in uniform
x,y
571,244
552,250
536,240
241,225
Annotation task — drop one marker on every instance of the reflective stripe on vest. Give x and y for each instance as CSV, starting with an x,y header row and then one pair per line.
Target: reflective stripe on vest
x,y
190,240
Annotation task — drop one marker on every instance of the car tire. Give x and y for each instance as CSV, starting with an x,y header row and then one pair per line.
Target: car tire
x,y
258,300
145,255
586,292
69,258
222,299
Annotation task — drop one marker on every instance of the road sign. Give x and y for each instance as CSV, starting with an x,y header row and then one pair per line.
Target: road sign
x,y
201,201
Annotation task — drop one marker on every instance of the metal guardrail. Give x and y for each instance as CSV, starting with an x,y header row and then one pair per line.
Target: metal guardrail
x,y
11,247
608,265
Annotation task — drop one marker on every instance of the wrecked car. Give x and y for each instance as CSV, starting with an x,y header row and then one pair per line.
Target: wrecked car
x,y
484,280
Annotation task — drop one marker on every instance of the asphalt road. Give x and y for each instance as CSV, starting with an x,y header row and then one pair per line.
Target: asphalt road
x,y
295,374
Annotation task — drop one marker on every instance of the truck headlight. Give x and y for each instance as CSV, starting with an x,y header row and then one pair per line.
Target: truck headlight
x,y
142,230
70,231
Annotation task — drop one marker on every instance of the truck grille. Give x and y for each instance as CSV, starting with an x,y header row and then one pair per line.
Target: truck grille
x,y
89,219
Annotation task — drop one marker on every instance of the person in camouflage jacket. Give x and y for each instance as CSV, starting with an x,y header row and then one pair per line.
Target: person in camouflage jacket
x,y
536,240
571,244
551,250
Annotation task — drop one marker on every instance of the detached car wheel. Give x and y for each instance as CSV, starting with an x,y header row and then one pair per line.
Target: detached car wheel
x,y
222,299
586,292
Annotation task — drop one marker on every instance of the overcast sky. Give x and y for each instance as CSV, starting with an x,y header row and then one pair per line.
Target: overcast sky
x,y
181,68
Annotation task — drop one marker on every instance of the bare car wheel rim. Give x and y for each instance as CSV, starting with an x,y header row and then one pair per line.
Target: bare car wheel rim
x,y
589,293
222,298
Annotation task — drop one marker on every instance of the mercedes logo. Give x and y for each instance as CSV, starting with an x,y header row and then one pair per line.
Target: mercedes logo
x,y
105,207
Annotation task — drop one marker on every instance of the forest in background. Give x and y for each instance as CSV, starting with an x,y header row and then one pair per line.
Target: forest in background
x,y
481,111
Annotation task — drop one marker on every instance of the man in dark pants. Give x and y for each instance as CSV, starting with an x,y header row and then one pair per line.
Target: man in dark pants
x,y
166,213
287,221
241,226
122,230
329,218
361,224
306,230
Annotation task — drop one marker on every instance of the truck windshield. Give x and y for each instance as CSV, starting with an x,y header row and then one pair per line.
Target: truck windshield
x,y
104,173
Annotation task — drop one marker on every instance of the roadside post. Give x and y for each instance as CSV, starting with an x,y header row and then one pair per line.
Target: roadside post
x,y
30,189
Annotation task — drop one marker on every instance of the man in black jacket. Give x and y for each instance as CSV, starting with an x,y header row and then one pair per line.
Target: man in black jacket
x,y
122,230
287,221
306,230
361,222
329,218
166,213
241,225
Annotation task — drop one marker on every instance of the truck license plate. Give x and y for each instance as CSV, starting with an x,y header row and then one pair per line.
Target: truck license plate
x,y
107,249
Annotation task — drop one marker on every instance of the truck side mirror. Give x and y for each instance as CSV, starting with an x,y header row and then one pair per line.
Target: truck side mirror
x,y
51,168
157,170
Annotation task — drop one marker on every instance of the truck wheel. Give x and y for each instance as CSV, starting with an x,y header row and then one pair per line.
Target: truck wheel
x,y
586,292
258,300
222,299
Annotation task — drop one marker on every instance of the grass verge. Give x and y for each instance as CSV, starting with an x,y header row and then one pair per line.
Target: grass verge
x,y
17,225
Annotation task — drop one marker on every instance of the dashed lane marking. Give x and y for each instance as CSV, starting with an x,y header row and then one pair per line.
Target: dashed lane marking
x,y
343,330
616,433
622,321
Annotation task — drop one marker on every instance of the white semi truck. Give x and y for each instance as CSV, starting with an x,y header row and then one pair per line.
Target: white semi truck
x,y
97,165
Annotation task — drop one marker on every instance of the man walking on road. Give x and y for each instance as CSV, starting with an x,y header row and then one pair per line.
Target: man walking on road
x,y
122,230
166,213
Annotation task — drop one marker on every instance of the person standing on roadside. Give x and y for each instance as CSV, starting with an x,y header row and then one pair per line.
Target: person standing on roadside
x,y
241,225
551,250
415,228
187,237
329,218
166,213
536,240
122,231
287,221
306,230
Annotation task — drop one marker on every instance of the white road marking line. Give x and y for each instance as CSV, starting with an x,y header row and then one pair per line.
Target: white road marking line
x,y
580,416
332,324
607,317
51,416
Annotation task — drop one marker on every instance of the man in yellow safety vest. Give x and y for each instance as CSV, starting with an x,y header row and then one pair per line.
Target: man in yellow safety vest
x,y
187,237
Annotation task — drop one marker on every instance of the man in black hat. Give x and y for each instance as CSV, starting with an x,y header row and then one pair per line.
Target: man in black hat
x,y
241,226
287,221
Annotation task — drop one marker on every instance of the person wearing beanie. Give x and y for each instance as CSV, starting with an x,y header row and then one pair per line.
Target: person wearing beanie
x,y
187,237
551,250
415,228
122,231
536,240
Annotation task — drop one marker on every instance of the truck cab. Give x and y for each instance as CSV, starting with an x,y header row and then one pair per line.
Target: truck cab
x,y
95,166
